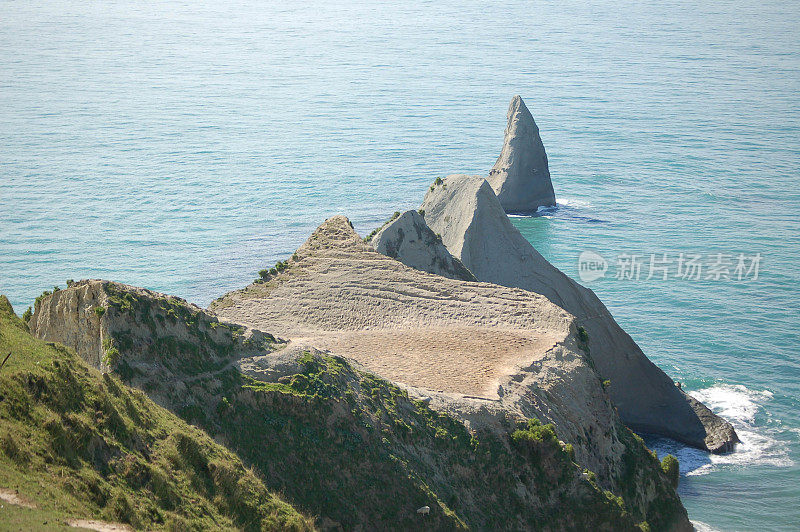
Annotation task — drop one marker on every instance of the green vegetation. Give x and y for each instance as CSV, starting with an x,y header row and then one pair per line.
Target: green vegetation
x,y
206,346
670,467
99,311
323,434
40,298
421,212
26,316
80,444
606,384
394,217
583,336
438,181
641,468
265,274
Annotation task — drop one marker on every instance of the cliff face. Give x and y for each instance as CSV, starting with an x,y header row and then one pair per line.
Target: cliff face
x,y
410,238
102,320
321,430
521,176
478,351
474,227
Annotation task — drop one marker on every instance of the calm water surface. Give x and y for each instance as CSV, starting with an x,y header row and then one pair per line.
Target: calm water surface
x,y
184,146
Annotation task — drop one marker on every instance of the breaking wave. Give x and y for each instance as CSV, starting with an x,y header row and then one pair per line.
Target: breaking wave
x,y
740,406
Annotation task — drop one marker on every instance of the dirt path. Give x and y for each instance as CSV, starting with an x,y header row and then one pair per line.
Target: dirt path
x,y
13,497
99,526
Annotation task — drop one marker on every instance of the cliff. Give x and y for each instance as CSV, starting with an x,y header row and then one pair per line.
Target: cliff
x,y
480,352
472,223
321,429
521,175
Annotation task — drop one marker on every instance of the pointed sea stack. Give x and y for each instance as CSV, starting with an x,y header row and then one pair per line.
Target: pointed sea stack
x,y
521,177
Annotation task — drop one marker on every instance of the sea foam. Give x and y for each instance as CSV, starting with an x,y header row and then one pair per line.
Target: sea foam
x,y
740,406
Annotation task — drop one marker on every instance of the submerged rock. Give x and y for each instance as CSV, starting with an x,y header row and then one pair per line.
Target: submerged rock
x,y
409,240
474,227
521,176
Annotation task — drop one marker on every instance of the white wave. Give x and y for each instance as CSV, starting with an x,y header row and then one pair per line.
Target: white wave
x,y
699,526
740,406
546,211
733,402
572,202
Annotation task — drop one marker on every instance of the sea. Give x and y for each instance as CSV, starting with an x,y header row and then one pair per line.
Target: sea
x,y
183,146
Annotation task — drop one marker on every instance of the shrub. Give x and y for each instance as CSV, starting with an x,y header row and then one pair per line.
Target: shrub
x,y
535,432
606,384
40,298
670,467
112,354
421,212
583,336
570,450
99,311
263,273
12,449
438,181
26,316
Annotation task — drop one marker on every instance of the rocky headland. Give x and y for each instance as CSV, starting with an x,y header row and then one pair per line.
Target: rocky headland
x,y
438,374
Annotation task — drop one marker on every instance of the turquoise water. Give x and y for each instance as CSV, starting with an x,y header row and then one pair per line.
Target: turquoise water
x,y
184,146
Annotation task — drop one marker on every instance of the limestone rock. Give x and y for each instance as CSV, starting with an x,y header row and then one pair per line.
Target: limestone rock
x,y
474,227
521,177
481,351
410,240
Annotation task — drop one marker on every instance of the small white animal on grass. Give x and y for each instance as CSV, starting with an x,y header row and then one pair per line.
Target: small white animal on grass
x,y
425,510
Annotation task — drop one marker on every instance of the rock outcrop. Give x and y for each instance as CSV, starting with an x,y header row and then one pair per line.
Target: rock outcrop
x,y
356,449
466,213
102,320
521,176
409,240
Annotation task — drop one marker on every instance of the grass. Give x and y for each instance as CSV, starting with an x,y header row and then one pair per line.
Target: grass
x,y
81,444
394,217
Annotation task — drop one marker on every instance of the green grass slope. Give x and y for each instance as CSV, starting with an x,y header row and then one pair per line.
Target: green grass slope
x,y
79,444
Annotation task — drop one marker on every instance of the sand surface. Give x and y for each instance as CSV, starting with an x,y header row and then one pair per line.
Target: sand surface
x,y
405,325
